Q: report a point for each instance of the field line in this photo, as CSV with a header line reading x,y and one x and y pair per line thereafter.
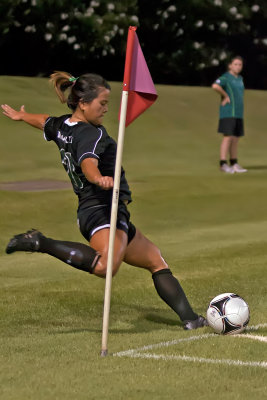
x,y
140,352
238,363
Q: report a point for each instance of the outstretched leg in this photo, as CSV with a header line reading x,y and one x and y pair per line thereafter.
x,y
78,255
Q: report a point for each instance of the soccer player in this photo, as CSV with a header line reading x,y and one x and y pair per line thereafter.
x,y
230,87
88,155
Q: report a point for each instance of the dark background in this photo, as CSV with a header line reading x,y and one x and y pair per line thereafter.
x,y
185,42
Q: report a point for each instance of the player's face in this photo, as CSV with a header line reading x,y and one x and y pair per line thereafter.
x,y
95,110
236,67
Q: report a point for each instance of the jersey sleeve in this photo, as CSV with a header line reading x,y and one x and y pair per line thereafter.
x,y
90,143
221,81
50,129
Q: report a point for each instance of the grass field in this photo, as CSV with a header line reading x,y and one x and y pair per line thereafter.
x,y
210,227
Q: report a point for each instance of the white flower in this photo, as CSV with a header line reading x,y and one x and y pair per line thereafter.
x,y
121,32
165,14
99,21
107,38
104,52
76,46
63,36
233,10
94,3
17,24
156,27
256,41
110,6
239,16
71,39
49,25
197,45
66,28
171,8
134,18
199,23
223,55
264,41
33,3
112,50
224,25
180,32
217,2
255,8
201,66
63,16
48,36
211,27
89,12
30,28
215,62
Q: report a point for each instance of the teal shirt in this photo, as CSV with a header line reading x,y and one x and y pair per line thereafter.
x,y
234,87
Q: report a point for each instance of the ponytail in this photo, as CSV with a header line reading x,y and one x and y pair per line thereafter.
x,y
84,88
61,81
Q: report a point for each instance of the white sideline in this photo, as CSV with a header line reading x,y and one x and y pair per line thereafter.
x,y
139,352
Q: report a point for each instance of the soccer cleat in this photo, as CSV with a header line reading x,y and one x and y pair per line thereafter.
x,y
226,168
29,241
237,168
200,322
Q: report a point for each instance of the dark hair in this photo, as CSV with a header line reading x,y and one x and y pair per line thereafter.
x,y
236,58
85,88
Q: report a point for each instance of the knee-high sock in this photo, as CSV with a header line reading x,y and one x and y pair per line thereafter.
x,y
78,255
171,292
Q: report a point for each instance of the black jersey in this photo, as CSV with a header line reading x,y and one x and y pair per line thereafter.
x,y
80,140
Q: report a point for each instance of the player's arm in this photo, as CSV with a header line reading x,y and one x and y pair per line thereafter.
x,y
90,169
222,92
36,120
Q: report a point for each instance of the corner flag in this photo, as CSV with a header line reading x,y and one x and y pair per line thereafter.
x,y
138,94
137,79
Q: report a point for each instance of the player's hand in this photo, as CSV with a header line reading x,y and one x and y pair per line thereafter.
x,y
13,114
226,100
105,182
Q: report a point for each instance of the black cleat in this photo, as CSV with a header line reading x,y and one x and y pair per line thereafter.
x,y
200,322
29,241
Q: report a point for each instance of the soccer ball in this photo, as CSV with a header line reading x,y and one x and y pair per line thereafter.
x,y
228,314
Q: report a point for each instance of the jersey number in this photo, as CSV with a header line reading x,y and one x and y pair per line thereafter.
x,y
69,166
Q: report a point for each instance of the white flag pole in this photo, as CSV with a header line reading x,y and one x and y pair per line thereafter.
x,y
113,222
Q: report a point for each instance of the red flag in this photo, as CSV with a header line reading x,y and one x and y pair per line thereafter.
x,y
137,79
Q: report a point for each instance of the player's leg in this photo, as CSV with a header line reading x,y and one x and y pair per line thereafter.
x,y
100,242
142,253
78,255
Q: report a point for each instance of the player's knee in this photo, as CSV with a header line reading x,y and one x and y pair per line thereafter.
x,y
101,267
156,261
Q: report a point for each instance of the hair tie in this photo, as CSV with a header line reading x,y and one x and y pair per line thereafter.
x,y
72,79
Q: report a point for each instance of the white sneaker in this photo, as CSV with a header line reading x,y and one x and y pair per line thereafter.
x,y
226,168
237,168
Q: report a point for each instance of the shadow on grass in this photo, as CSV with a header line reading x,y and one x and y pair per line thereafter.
x,y
256,167
147,323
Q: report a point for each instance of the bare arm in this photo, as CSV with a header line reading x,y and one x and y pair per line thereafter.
x,y
90,169
36,120
224,95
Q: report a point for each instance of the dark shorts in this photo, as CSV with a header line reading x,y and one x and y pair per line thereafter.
x,y
231,126
93,219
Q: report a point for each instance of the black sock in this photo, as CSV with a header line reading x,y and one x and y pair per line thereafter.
x,y
78,255
233,161
222,162
171,292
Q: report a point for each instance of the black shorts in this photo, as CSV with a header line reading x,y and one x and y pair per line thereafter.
x,y
231,127
93,219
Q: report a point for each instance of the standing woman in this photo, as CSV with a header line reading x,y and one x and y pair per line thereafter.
x,y
230,87
88,155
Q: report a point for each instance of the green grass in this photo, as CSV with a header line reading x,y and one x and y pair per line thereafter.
x,y
210,227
